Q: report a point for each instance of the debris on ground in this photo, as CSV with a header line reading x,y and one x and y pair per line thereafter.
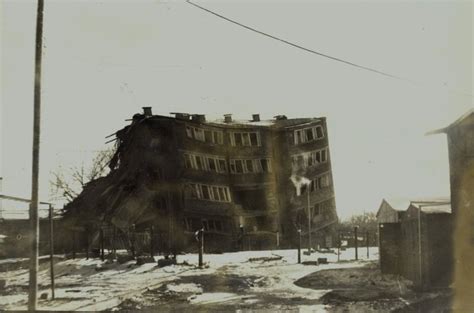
x,y
266,259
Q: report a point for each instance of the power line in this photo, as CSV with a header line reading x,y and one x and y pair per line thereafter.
x,y
296,45
319,53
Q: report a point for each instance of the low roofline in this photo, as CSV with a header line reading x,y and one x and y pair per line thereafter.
x,y
456,122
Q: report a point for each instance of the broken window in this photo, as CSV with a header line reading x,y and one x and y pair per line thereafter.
x,y
217,137
303,189
208,136
205,192
188,161
192,191
254,139
319,132
238,139
189,132
212,164
239,168
222,194
199,134
265,164
312,186
199,162
310,159
222,166
215,193
246,139
308,134
249,165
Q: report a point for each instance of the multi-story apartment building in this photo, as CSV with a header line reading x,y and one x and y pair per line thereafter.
x,y
247,183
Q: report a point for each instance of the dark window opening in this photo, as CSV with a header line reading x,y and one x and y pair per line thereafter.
x,y
249,165
239,166
208,136
212,165
253,139
199,163
319,132
238,139
222,166
205,192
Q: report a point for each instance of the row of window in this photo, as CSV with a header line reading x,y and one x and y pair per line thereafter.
x,y
323,209
250,139
212,163
318,183
242,139
310,159
205,163
308,134
208,192
204,135
194,224
250,166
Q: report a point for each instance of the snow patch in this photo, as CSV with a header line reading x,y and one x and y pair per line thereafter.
x,y
184,288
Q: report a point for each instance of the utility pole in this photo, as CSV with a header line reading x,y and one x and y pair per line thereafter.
x,y
34,218
309,221
356,243
299,245
367,242
338,246
51,248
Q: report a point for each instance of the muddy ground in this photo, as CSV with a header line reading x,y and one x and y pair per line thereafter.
x,y
361,289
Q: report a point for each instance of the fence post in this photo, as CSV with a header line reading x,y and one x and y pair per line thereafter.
x,y
51,247
201,246
114,248
367,242
338,246
152,241
102,243
299,245
356,243
73,244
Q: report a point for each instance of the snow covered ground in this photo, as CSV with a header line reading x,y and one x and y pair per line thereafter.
x,y
95,285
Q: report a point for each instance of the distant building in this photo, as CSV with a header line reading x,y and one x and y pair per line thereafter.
x,y
247,183
460,136
419,245
15,228
391,210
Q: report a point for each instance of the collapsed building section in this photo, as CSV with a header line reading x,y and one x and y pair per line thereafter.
x,y
248,184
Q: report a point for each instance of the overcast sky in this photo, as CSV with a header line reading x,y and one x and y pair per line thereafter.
x,y
104,60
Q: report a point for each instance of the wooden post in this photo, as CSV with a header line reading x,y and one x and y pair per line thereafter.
x,y
338,246
34,217
367,242
356,243
87,245
101,238
242,248
309,221
132,239
73,244
152,241
51,248
299,245
114,248
201,246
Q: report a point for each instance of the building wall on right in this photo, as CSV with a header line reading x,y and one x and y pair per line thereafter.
x,y
461,163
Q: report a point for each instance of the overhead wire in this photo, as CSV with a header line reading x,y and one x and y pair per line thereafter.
x,y
287,42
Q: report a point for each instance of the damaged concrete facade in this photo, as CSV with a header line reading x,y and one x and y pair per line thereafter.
x,y
247,183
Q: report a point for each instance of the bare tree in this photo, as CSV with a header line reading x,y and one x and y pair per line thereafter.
x,y
67,184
